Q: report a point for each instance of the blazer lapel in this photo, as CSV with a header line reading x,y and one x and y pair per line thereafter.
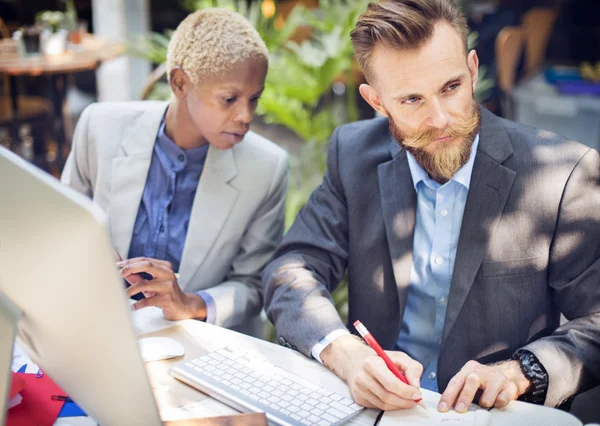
x,y
129,173
490,187
398,200
212,204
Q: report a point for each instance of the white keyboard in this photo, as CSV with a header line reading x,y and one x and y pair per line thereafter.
x,y
249,383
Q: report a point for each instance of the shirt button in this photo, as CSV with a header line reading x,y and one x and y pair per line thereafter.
x,y
439,260
444,212
181,158
443,300
431,375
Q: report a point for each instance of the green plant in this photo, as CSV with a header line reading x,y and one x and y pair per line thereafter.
x,y
52,19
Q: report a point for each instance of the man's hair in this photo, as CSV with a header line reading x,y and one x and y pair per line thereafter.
x,y
211,42
403,24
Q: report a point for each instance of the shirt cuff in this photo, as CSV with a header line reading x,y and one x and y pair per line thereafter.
x,y
326,341
211,309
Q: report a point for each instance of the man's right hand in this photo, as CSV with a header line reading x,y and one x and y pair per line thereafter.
x,y
371,382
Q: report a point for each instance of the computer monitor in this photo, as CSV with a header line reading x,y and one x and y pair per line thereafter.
x,y
57,268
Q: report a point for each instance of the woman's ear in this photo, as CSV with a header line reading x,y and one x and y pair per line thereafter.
x,y
180,82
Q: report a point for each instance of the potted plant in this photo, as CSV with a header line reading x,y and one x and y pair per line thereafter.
x,y
53,37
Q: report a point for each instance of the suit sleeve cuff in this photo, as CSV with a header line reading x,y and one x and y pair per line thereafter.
x,y
211,309
326,341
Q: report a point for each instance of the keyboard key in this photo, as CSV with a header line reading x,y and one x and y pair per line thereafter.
x,y
336,413
313,419
344,409
325,392
305,422
295,417
346,401
286,397
323,423
330,417
322,406
306,391
293,392
283,404
303,413
293,408
336,397
313,402
356,407
317,412
245,392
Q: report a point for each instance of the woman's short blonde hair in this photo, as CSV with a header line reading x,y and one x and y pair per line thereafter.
x,y
211,42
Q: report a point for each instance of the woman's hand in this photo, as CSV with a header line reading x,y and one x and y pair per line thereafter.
x,y
162,290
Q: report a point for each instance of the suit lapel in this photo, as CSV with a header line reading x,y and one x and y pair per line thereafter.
x,y
398,199
212,204
490,187
129,173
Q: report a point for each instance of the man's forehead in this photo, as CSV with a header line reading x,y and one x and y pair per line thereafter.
x,y
437,60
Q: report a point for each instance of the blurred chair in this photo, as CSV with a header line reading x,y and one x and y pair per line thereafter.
x,y
158,74
33,110
509,45
537,25
531,37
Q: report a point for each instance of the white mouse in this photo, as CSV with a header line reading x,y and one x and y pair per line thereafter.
x,y
157,348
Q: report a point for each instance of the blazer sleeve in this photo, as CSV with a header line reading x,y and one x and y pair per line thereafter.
x,y
240,296
309,265
571,355
76,172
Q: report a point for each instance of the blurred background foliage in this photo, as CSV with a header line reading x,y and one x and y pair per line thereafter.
x,y
311,87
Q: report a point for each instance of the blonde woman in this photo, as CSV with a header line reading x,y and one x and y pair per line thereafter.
x,y
195,200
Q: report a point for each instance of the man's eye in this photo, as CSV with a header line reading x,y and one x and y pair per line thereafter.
x,y
411,100
453,86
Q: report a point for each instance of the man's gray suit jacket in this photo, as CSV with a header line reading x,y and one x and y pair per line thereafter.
x,y
528,250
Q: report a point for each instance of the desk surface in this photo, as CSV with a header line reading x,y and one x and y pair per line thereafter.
x,y
94,51
177,401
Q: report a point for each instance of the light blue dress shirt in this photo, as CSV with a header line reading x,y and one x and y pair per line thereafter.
x,y
439,217
163,217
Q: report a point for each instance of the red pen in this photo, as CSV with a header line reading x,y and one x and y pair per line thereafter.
x,y
362,330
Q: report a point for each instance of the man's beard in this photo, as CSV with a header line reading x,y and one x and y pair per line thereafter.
x,y
442,164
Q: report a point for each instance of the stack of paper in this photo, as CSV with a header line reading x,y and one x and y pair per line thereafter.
x,y
419,416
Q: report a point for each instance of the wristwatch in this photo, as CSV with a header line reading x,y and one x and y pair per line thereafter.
x,y
537,375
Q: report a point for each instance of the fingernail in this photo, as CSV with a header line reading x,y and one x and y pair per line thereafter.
x,y
460,407
417,395
121,263
133,307
443,407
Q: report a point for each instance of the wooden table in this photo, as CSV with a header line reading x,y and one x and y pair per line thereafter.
x,y
93,51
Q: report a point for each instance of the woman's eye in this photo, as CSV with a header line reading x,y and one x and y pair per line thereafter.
x,y
229,100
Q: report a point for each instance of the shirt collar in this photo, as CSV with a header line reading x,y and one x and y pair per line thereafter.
x,y
175,158
463,176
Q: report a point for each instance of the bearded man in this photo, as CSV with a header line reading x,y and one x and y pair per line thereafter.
x,y
464,236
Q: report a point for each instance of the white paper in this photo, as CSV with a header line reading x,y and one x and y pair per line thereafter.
x,y
14,401
522,414
20,358
419,416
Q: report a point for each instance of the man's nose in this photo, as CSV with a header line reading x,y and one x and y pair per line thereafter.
x,y
438,117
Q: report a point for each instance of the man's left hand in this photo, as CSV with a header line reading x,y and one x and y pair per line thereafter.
x,y
500,383
162,290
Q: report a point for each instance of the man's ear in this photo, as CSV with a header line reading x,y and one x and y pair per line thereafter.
x,y
473,63
180,82
370,95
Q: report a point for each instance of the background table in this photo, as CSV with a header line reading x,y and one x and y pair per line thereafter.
x,y
92,52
